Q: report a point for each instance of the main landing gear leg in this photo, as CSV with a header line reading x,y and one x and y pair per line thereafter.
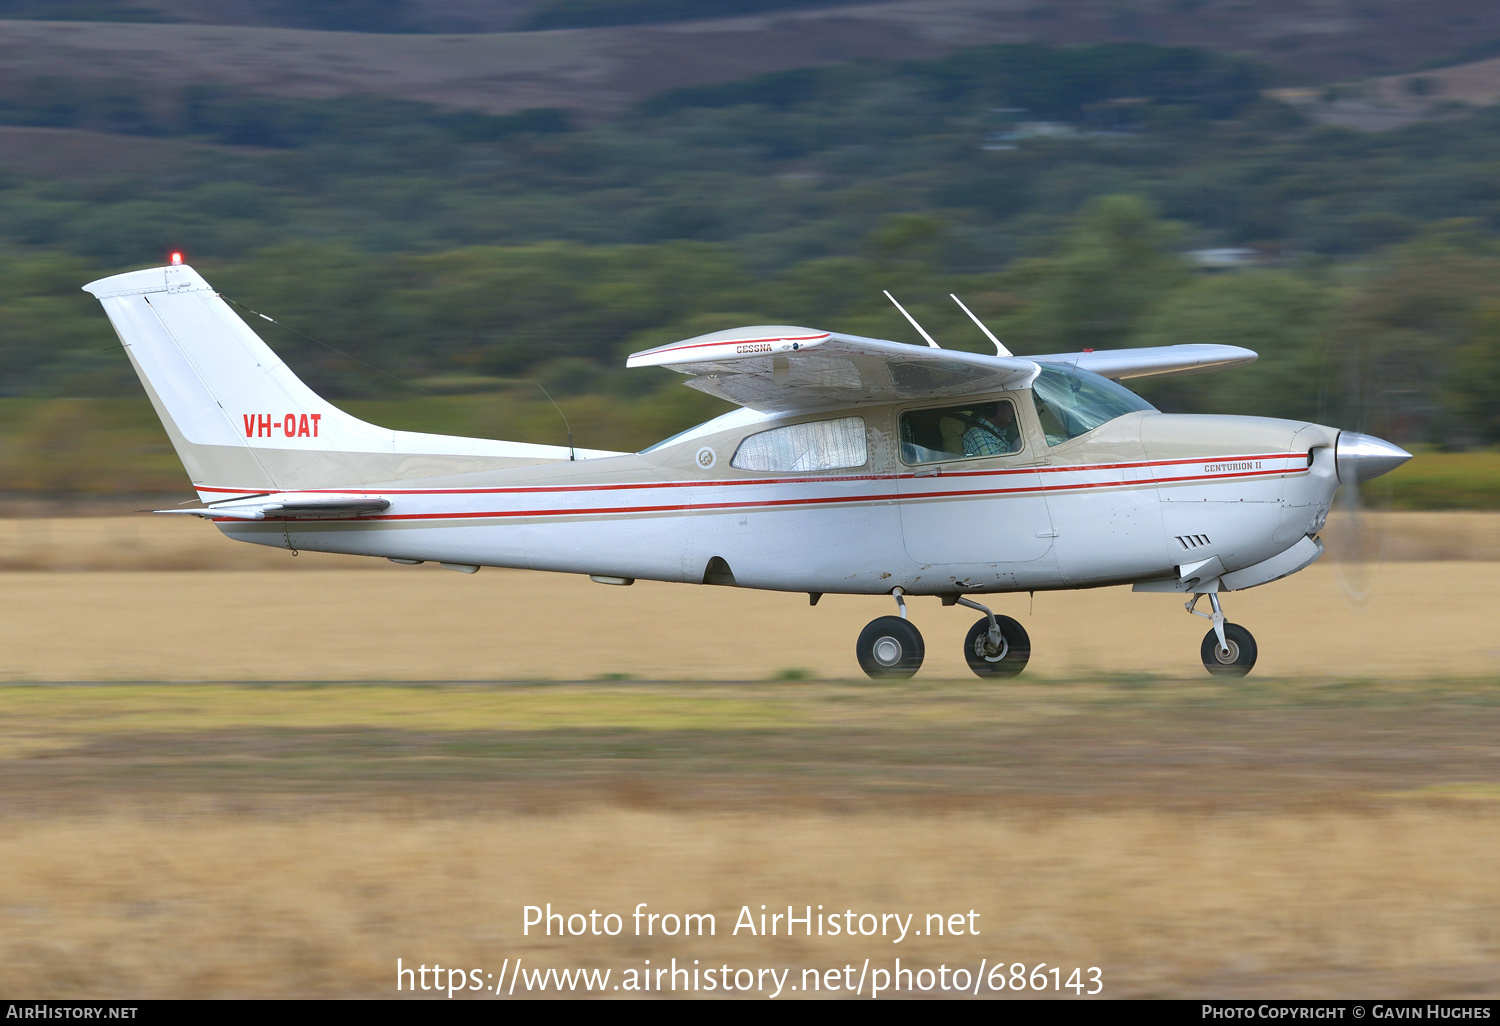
x,y
1228,650
890,648
996,646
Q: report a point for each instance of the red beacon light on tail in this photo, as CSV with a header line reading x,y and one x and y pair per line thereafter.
x,y
176,259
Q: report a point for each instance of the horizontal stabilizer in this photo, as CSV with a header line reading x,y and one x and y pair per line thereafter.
x,y
290,506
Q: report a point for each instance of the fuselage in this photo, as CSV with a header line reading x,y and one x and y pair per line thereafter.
x,y
1132,499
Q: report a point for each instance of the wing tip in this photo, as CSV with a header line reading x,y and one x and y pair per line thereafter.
x,y
729,343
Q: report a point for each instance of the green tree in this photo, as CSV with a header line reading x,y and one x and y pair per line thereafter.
x,y
1476,378
1114,266
1279,315
1396,342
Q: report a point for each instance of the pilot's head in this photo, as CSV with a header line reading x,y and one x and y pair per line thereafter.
x,y
997,413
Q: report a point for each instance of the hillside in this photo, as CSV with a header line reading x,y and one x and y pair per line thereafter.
x,y
1392,101
599,71
69,154
467,253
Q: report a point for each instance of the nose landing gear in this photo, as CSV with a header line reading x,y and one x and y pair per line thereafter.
x,y
1228,650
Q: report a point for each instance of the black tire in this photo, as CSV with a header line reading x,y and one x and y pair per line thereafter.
x,y
1009,660
889,648
1241,656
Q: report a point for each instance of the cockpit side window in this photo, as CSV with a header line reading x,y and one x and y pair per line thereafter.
x,y
819,445
1071,401
960,432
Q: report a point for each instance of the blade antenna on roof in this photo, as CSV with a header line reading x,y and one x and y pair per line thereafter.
x,y
999,349
913,320
571,454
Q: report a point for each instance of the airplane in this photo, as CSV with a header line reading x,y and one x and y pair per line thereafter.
x,y
852,466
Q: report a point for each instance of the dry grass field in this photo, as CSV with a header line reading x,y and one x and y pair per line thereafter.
x,y
1300,839
1327,827
1166,905
1423,619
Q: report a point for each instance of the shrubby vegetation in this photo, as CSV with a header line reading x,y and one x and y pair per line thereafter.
x,y
1408,344
788,166
464,253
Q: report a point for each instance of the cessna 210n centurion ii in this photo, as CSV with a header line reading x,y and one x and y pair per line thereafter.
x,y
853,466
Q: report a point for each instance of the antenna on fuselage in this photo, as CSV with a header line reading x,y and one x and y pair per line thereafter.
x,y
571,454
999,349
913,320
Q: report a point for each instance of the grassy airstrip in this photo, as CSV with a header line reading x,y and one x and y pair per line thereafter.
x,y
1131,739
1298,837
1325,827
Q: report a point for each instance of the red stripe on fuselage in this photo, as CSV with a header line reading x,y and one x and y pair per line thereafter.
x,y
723,482
808,500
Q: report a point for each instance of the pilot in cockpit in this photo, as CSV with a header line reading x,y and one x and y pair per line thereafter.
x,y
993,431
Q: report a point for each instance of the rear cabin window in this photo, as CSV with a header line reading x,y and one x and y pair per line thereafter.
x,y
960,432
820,445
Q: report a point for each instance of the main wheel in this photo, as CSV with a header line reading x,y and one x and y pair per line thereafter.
x,y
1005,659
889,648
1238,660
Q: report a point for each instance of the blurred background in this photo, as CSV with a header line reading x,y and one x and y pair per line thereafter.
x,y
473,197
461,199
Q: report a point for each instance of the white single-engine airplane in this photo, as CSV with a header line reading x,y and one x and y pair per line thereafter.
x,y
854,466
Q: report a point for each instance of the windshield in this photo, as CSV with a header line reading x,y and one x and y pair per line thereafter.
x,y
1070,401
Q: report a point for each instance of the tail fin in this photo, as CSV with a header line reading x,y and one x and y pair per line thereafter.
x,y
243,423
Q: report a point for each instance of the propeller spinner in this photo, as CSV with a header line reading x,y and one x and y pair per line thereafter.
x,y
1361,457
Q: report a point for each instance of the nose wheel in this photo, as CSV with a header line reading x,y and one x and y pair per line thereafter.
x,y
1228,650
1235,657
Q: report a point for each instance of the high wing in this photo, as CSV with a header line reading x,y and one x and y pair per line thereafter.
x,y
777,367
289,506
1145,363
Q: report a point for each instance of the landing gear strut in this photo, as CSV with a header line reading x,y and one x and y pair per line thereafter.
x,y
890,648
996,646
1228,650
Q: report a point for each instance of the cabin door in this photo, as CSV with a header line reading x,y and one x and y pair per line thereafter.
x,y
970,491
